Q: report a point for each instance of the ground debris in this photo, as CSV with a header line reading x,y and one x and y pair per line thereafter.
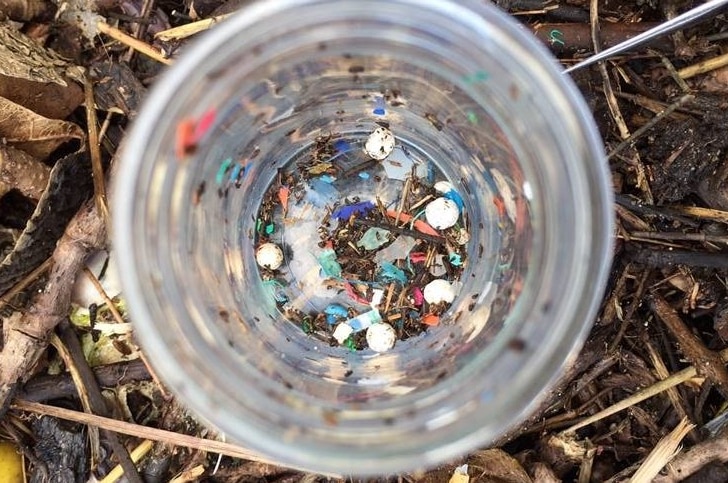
x,y
665,311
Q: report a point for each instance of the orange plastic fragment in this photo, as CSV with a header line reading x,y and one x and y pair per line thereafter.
x,y
500,206
185,141
419,225
283,198
431,319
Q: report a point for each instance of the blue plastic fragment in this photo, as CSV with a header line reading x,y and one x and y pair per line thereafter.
x,y
455,260
235,172
379,106
363,321
364,175
430,172
334,312
327,178
329,266
321,193
342,146
345,212
389,273
456,198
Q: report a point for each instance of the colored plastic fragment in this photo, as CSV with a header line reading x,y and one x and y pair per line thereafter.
x,y
373,238
389,273
204,124
447,190
353,295
417,257
363,321
222,170
276,290
430,319
379,106
342,146
283,194
334,312
321,193
418,225
417,296
329,266
357,209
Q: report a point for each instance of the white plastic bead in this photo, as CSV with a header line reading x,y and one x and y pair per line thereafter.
x,y
442,213
379,144
342,332
269,255
381,337
438,291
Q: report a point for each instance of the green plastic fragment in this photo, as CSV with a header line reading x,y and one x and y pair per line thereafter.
x,y
329,266
373,238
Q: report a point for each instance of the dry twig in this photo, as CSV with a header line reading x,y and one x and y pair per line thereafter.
x,y
662,453
646,393
27,337
139,431
707,362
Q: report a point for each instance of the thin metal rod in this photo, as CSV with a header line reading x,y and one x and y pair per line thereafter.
x,y
681,21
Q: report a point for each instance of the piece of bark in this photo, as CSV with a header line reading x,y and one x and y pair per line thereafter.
x,y
62,447
28,337
20,171
70,184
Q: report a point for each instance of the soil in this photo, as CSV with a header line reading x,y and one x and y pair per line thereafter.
x,y
664,314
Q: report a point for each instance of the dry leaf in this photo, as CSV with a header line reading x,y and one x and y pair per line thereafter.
x,y
22,172
36,77
34,134
716,81
496,465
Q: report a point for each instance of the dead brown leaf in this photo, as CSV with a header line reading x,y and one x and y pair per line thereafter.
x,y
36,77
32,133
20,171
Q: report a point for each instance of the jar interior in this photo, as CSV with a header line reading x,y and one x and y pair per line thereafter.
x,y
271,124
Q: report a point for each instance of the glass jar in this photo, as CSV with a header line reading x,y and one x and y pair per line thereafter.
x,y
287,92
